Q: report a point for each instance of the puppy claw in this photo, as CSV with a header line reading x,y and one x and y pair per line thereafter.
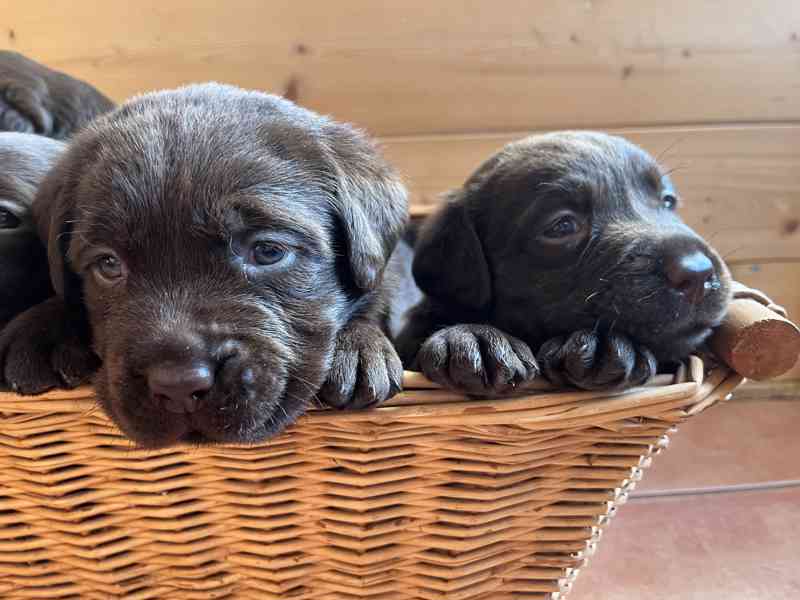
x,y
476,359
593,362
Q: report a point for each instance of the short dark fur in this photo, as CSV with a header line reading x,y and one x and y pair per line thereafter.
x,y
595,304
35,99
179,185
24,161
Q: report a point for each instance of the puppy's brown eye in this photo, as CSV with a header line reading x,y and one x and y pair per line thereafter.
x,y
109,267
8,220
669,201
563,227
267,253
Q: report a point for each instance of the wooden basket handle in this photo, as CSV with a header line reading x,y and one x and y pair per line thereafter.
x,y
756,339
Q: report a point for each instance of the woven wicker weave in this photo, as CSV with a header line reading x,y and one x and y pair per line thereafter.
x,y
433,497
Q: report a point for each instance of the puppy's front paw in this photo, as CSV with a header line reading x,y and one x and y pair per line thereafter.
x,y
39,350
591,361
477,359
365,370
21,109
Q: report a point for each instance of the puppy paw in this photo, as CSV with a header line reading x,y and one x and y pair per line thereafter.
x,y
22,110
477,359
591,361
365,370
40,350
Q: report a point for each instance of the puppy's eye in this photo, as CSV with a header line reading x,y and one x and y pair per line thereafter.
x,y
564,226
8,220
108,267
669,201
267,253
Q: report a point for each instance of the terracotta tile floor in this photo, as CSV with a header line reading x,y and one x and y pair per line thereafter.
x,y
740,442
733,545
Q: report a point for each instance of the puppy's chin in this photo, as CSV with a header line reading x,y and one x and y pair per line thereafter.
x,y
674,328
678,345
224,416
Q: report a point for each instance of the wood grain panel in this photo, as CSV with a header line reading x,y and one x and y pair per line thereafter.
x,y
422,67
740,185
778,279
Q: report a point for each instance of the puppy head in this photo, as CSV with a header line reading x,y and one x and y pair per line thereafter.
x,y
24,161
219,239
569,231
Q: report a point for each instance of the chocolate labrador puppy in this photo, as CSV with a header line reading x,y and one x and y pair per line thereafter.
x,y
568,244
35,99
227,249
24,281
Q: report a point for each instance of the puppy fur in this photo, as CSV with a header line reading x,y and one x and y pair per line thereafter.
x,y
567,244
24,161
223,228
35,99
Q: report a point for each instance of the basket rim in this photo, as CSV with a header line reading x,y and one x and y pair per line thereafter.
x,y
689,390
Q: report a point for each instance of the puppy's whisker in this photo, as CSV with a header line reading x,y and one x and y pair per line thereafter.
x,y
592,295
650,295
669,147
676,168
727,255
309,385
589,246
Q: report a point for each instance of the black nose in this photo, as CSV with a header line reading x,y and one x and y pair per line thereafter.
x,y
180,385
690,273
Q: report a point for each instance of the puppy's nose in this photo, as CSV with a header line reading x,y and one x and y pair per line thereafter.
x,y
690,274
180,386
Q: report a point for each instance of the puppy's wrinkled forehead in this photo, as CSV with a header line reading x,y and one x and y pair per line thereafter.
x,y
177,178
577,163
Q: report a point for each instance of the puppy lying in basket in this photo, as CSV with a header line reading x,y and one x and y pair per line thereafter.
x,y
224,252
567,245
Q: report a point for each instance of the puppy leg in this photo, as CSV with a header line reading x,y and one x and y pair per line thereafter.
x,y
22,109
365,370
476,359
41,349
592,361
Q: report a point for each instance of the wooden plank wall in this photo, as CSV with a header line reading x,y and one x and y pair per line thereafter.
x,y
447,83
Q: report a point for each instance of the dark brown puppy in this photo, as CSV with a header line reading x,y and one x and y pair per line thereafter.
x,y
228,248
567,243
24,161
35,99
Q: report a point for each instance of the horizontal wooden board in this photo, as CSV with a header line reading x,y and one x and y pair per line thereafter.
x,y
740,186
778,279
421,67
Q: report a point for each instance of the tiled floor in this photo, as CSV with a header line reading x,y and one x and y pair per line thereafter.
x,y
733,545
736,443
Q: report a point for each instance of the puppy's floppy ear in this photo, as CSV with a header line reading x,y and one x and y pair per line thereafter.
x,y
370,202
53,214
449,263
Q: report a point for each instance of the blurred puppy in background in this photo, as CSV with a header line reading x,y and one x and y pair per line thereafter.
x,y
35,99
566,245
35,103
24,161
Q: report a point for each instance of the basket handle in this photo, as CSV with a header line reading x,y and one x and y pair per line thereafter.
x,y
756,339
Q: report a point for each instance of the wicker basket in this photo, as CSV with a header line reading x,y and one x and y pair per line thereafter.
x,y
432,497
